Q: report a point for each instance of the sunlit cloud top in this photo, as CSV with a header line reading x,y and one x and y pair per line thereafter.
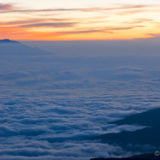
x,y
79,20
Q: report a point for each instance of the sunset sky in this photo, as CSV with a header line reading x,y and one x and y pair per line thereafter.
x,y
79,20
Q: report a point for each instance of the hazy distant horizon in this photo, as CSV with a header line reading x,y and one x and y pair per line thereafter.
x,y
137,47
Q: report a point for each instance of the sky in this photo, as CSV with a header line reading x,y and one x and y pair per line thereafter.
x,y
49,20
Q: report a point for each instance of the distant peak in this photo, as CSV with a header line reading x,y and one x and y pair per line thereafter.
x,y
8,41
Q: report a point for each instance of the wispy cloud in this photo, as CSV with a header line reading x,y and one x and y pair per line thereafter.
x,y
141,20
94,9
77,22
154,35
34,21
84,31
101,30
60,24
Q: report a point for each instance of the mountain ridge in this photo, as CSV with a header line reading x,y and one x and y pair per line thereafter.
x,y
8,41
15,48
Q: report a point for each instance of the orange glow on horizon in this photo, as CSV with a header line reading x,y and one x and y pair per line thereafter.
x,y
98,23
24,35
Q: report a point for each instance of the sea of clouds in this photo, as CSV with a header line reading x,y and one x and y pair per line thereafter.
x,y
51,105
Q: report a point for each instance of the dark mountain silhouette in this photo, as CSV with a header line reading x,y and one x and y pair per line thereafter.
x,y
15,48
8,41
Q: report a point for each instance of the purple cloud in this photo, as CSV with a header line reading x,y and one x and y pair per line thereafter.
x,y
5,7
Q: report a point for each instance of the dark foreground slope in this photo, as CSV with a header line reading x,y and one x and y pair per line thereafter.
x,y
137,157
147,139
147,136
